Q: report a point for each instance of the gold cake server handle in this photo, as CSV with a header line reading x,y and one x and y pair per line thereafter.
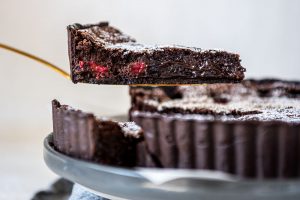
x,y
37,59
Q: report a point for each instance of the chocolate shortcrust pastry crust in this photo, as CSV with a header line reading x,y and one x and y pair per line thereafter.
x,y
84,136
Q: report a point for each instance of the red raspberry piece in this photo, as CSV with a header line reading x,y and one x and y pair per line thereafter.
x,y
92,64
100,71
81,64
137,67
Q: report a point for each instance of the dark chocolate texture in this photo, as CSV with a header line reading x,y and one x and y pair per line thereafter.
x,y
262,143
84,136
263,100
101,54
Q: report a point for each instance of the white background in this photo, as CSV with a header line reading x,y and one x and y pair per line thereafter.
x,y
264,32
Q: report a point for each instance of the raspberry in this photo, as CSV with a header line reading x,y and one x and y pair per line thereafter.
x,y
137,67
92,64
81,64
100,71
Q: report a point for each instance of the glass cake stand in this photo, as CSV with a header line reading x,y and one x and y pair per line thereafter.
x,y
175,184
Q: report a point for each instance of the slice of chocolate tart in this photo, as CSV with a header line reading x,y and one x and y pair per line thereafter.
x,y
102,54
82,135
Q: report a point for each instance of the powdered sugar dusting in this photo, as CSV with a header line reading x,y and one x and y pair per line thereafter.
x,y
113,39
135,47
131,129
238,99
106,35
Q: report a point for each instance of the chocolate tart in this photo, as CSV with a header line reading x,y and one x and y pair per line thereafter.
x,y
82,135
250,129
102,54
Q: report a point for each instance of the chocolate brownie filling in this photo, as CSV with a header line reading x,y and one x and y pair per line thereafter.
x,y
250,100
102,54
